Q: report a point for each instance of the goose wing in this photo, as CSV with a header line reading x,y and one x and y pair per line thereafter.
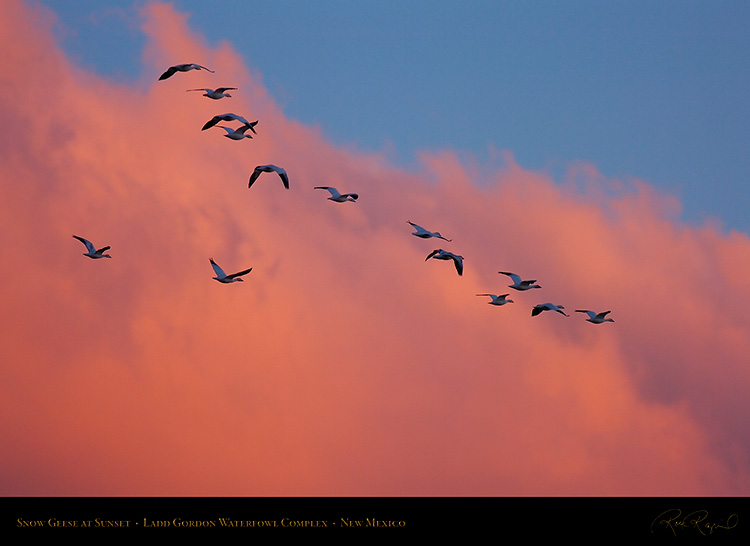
x,y
282,173
333,191
420,229
218,270
223,117
234,275
459,263
89,246
168,73
241,130
515,278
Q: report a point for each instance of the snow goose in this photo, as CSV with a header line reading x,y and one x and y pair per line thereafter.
x,y
441,254
423,233
216,94
237,134
338,197
172,70
547,307
267,169
519,284
93,252
594,317
223,277
229,117
497,300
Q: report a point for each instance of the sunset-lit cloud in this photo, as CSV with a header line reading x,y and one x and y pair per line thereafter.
x,y
345,364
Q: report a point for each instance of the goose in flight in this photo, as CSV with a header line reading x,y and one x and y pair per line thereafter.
x,y
229,117
519,284
237,134
497,300
338,197
223,277
172,70
422,233
93,252
441,254
594,317
216,94
267,169
547,307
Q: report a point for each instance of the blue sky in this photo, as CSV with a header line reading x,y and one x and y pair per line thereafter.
x,y
655,90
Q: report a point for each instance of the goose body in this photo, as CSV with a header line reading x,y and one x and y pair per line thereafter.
x,y
268,169
518,283
172,70
441,254
423,233
497,300
594,317
91,251
338,197
237,134
223,277
547,307
216,94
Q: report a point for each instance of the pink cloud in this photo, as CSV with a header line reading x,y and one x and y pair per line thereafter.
x,y
344,364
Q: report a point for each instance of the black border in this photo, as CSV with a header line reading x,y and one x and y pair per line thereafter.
x,y
336,517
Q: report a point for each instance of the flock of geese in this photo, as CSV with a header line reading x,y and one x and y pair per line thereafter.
x,y
241,132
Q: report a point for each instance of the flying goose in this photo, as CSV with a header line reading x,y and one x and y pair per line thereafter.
x,y
519,284
172,70
223,277
497,300
441,254
93,252
547,307
237,134
229,117
216,94
594,317
267,169
422,233
338,197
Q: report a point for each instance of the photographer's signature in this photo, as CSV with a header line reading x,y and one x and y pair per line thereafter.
x,y
697,520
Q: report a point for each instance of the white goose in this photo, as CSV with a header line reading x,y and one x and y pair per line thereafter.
x,y
423,233
237,134
519,284
441,254
594,317
172,70
92,251
223,277
229,117
216,94
268,169
338,197
547,307
497,300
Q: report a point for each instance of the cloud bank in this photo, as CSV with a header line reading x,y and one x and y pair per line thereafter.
x,y
345,364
